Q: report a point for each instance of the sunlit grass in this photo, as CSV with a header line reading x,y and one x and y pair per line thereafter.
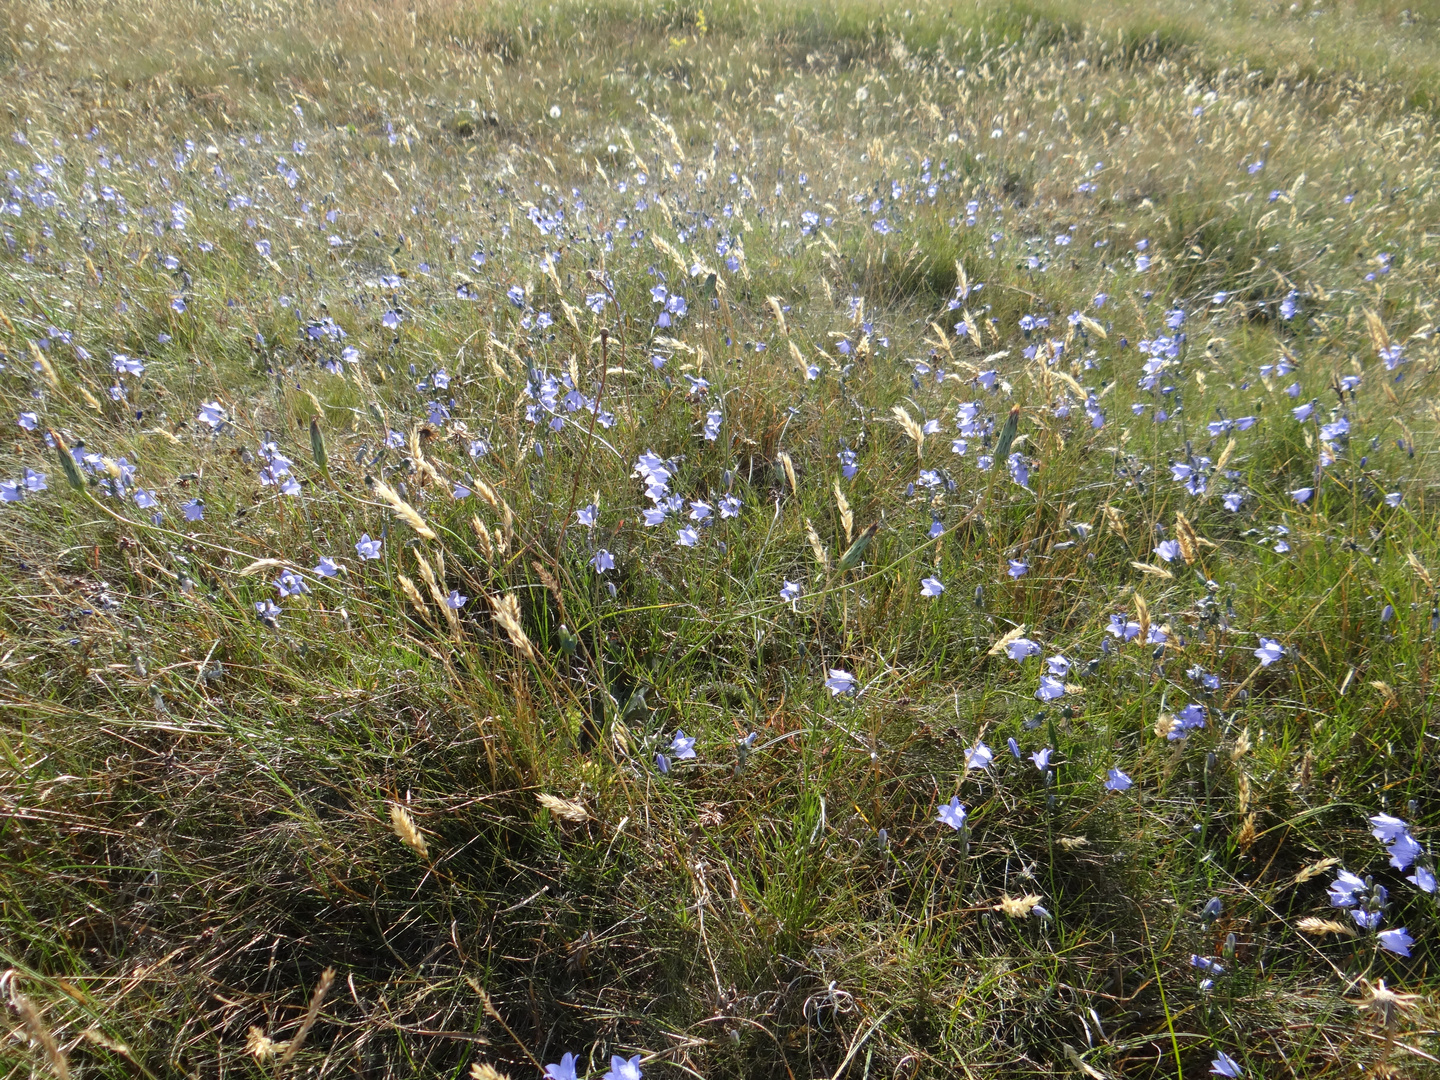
x,y
214,792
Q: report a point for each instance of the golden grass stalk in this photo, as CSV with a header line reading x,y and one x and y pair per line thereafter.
x,y
404,826
1185,534
437,593
413,594
35,1026
507,614
1142,616
821,555
910,427
1323,927
1315,869
260,1046
778,310
403,510
1115,521
1420,571
847,518
487,545
789,466
564,809
327,979
1004,643
1153,571
1017,907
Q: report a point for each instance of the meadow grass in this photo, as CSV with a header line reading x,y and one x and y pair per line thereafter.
x,y
283,280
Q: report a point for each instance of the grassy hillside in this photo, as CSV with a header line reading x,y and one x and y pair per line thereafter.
x,y
785,540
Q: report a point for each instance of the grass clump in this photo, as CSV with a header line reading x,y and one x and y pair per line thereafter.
x,y
725,540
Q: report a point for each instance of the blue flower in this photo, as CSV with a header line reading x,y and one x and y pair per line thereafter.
x,y
1396,940
979,756
290,583
789,591
1344,889
1041,758
194,510
1269,651
455,601
1225,1065
367,548
602,560
1022,649
840,682
931,586
1018,568
952,813
327,567
1366,920
683,746
1050,689
1168,549
586,515
620,1069
1115,780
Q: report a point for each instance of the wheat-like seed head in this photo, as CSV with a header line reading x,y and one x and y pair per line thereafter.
x,y
404,826
403,510
507,614
1017,907
564,809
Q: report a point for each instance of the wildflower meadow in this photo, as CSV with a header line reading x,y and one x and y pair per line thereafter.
x,y
741,539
